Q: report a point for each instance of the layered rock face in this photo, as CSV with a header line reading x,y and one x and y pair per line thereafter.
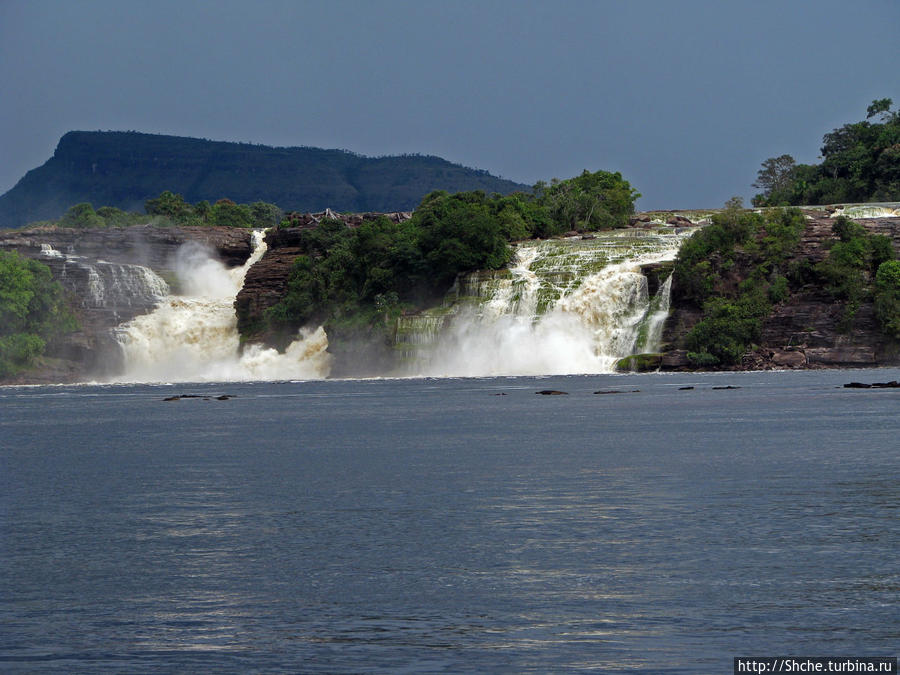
x,y
803,331
266,282
111,276
146,245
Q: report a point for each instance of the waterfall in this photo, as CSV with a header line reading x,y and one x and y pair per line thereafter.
x,y
649,337
886,210
193,336
563,307
107,285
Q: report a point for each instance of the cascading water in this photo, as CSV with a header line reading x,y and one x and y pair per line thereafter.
x,y
193,336
563,307
650,330
108,285
882,210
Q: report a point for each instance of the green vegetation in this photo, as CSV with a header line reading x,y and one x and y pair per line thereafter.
x,y
735,268
639,363
355,280
860,163
171,209
742,264
590,201
887,297
851,267
32,312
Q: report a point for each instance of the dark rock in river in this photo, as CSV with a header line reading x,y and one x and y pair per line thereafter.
x,y
893,384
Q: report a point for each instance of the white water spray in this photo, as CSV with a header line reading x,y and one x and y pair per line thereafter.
x,y
884,210
193,337
108,284
565,307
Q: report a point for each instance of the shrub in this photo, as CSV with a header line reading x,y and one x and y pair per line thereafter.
x,y
82,216
32,312
887,297
728,327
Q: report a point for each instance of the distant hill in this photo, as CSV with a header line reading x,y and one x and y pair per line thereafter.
x,y
125,168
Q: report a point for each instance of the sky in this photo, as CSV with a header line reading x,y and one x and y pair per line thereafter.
x,y
685,98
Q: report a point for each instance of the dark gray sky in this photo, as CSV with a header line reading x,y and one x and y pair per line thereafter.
x,y
684,97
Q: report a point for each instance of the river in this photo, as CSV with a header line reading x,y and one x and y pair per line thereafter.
x,y
449,525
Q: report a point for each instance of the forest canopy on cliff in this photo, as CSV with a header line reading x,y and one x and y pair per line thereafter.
x,y
743,264
363,275
860,163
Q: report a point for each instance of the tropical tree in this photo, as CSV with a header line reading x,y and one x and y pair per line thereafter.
x,y
774,179
170,205
590,201
81,215
265,215
860,163
887,297
226,213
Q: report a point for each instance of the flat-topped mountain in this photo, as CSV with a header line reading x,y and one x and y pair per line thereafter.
x,y
124,169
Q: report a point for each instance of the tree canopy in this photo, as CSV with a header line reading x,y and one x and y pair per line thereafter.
x,y
860,163
365,274
172,209
32,312
742,264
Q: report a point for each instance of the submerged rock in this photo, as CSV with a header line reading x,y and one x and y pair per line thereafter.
x,y
223,397
893,384
551,392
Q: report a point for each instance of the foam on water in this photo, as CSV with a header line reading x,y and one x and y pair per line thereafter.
x,y
563,307
193,337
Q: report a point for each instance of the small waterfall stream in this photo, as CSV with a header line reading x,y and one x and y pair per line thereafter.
x,y
109,285
193,337
886,210
562,307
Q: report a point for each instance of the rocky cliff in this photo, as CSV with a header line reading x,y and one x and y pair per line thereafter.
x,y
107,275
266,282
146,245
802,331
111,276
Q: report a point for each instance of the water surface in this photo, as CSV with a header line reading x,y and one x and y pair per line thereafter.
x,y
435,525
